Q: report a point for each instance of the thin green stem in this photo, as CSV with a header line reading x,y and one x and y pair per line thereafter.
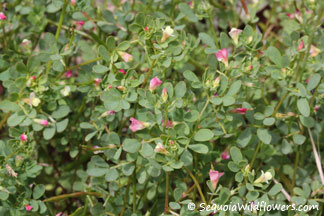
x,y
134,189
196,183
4,38
279,104
212,27
255,154
149,73
77,194
125,199
295,166
166,200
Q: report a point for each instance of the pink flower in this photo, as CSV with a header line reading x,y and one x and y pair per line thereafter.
x,y
59,214
73,2
121,88
11,171
126,56
164,95
316,108
108,113
314,51
290,15
97,81
169,124
241,111
214,177
68,74
32,78
146,28
28,207
122,71
154,83
225,155
216,94
137,125
80,23
23,137
221,55
262,80
159,148
301,45
2,16
44,122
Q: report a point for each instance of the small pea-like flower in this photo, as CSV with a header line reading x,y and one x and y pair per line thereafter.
x,y
68,74
265,177
2,16
241,111
216,82
301,45
122,71
42,122
97,81
159,148
164,95
167,32
316,108
154,83
80,23
30,81
65,91
298,16
214,177
126,56
225,155
146,28
108,113
121,88
28,207
221,55
169,124
137,125
11,171
290,15
32,100
235,33
23,137
314,51
191,4
73,2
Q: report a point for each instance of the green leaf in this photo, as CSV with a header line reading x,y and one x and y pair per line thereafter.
x,y
200,148
61,112
15,120
131,145
234,167
303,107
146,150
224,40
206,39
228,100
180,89
252,195
4,195
103,52
39,190
111,175
307,121
61,126
111,43
186,158
299,139
123,46
244,138
274,55
275,189
234,88
187,11
100,69
236,154
7,106
269,121
48,133
96,171
264,135
203,135
313,82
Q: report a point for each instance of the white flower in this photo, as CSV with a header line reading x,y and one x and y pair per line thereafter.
x,y
235,33
168,30
66,91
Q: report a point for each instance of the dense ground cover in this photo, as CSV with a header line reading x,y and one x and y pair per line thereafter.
x,y
149,107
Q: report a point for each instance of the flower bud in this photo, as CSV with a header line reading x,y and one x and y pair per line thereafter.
x,y
154,83
235,33
2,16
164,95
23,137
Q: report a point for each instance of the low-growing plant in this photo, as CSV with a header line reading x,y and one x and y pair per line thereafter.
x,y
146,107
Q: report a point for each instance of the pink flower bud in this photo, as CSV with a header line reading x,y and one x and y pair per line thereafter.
x,y
160,149
121,88
23,137
241,111
137,125
73,2
80,23
301,45
28,207
221,55
164,95
168,124
214,177
122,71
316,108
11,172
68,74
44,122
314,51
216,94
154,83
290,15
32,78
126,56
110,86
146,28
225,155
2,16
97,81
